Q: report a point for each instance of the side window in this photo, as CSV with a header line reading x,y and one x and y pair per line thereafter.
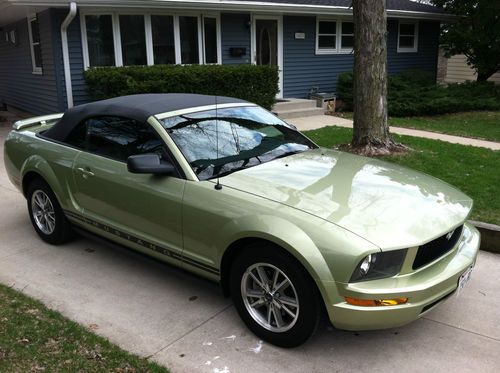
x,y
116,138
78,136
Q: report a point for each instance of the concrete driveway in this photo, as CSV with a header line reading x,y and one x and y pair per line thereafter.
x,y
184,322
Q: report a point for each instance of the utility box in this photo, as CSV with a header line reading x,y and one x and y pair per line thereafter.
x,y
326,100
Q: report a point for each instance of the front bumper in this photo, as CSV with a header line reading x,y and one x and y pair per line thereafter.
x,y
424,289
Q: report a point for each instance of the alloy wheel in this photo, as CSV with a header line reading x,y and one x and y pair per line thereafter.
x,y
270,297
43,212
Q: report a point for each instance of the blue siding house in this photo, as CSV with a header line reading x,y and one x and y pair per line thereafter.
x,y
44,49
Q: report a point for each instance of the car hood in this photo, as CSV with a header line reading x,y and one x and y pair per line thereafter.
x,y
386,204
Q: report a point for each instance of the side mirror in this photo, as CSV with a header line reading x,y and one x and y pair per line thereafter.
x,y
149,164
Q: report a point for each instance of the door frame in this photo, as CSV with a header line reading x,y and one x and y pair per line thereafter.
x,y
253,44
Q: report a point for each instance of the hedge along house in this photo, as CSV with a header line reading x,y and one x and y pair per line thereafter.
x,y
46,45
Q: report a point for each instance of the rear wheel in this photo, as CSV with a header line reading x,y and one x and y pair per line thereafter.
x,y
46,214
274,295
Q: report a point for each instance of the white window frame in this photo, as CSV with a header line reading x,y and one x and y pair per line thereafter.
x,y
338,36
177,35
339,41
324,50
118,36
149,34
218,37
38,70
85,46
413,49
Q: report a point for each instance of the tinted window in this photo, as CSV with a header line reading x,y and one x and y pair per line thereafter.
x,y
78,137
100,40
347,40
116,138
218,143
188,27
327,37
163,39
133,37
210,34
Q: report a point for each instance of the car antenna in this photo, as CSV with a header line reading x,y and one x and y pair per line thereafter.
x,y
218,186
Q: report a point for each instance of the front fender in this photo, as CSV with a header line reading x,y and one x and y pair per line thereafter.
x,y
281,232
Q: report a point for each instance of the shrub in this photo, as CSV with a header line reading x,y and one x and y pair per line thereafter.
x,y
344,89
416,93
258,84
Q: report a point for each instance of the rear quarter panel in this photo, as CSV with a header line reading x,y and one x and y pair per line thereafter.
x,y
25,152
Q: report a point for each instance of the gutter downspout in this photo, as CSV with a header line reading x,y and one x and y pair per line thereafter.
x,y
64,41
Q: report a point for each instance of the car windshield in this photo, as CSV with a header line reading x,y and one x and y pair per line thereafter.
x,y
217,143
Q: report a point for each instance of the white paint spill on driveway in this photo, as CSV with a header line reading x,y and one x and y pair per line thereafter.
x,y
258,348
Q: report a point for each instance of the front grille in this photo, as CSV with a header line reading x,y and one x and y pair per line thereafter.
x,y
436,248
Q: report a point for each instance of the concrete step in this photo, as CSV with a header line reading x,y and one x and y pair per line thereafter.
x,y
299,113
294,104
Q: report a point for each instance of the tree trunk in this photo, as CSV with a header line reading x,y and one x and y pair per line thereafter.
x,y
371,131
483,75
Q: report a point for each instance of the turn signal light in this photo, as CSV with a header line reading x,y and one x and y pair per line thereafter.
x,y
375,302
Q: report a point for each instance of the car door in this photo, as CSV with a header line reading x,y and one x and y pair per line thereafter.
x,y
143,209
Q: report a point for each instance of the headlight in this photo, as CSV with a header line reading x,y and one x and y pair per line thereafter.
x,y
379,265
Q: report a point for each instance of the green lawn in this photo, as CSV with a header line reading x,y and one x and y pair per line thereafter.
x,y
35,339
473,170
481,124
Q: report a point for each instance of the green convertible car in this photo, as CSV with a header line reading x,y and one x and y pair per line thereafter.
x,y
225,189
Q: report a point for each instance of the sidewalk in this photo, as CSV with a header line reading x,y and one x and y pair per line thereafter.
x,y
319,121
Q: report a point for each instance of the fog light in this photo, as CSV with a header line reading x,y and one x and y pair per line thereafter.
x,y
375,302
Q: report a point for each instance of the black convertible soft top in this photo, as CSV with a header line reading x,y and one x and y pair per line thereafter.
x,y
138,107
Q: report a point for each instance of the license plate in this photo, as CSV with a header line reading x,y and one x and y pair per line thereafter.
x,y
464,279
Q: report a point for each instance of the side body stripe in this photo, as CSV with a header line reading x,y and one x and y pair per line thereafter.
x,y
141,242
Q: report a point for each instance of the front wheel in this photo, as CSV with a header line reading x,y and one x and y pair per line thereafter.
x,y
46,214
274,295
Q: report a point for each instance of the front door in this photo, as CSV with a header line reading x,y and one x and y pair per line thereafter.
x,y
145,210
266,41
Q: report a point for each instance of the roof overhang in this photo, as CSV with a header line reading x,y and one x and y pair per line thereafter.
x,y
10,13
223,5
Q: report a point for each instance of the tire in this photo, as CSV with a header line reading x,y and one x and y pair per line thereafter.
x,y
46,214
292,323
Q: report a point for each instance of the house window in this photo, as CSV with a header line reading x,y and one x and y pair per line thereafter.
x,y
334,36
133,40
188,28
100,40
407,37
36,48
347,36
210,39
147,39
326,40
163,39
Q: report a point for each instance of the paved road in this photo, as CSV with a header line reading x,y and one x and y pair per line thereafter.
x,y
183,322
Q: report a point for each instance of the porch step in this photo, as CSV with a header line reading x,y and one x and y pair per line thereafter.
x,y
301,113
296,108
294,104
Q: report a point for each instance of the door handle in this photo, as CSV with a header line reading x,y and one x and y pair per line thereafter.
x,y
85,172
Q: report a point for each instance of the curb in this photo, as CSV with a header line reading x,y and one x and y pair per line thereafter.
x,y
490,236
